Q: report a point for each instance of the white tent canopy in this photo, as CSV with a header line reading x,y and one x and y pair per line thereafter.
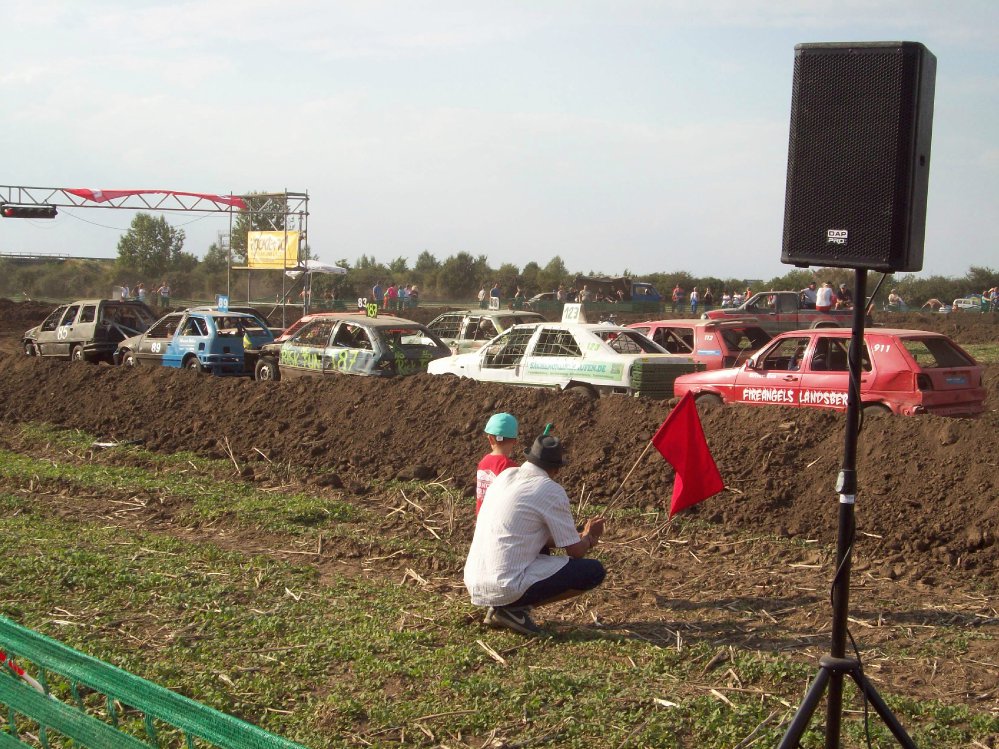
x,y
315,266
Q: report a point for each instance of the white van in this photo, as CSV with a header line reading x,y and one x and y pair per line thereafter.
x,y
967,304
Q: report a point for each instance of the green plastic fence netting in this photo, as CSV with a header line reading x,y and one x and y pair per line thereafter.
x,y
25,696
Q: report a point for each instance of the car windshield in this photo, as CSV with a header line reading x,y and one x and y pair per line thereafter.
x,y
629,342
936,353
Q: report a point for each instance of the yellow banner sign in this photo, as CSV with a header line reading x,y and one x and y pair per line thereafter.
x,y
272,249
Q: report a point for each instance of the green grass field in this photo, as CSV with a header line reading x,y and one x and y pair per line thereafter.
x,y
984,353
350,653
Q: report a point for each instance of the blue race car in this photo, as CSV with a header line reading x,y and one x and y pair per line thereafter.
x,y
207,340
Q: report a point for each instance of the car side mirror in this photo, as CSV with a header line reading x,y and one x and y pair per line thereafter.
x,y
751,363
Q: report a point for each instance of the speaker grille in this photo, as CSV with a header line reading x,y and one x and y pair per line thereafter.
x,y
852,155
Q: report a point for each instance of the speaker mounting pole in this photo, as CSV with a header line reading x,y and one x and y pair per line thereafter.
x,y
833,667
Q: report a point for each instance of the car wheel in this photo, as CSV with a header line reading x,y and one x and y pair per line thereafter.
x,y
30,349
130,359
194,364
267,371
77,354
876,409
582,390
709,400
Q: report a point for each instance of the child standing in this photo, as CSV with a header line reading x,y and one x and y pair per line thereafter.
x,y
501,430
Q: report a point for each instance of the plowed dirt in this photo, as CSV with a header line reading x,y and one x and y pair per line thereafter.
x,y
927,510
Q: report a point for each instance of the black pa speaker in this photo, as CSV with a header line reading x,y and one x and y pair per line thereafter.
x,y
859,155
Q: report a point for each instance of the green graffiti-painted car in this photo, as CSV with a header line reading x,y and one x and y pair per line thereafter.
x,y
334,343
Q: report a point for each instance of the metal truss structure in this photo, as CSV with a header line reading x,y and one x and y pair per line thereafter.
x,y
293,205
281,211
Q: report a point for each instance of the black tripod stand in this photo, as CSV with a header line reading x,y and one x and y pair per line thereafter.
x,y
833,667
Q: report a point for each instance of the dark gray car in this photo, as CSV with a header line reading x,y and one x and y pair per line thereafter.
x,y
87,330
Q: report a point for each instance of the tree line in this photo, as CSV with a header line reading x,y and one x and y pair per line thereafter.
x,y
152,250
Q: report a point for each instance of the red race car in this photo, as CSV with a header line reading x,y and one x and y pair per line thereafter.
x,y
713,343
903,371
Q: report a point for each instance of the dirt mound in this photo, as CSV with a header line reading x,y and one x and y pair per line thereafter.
x,y
927,484
19,316
963,327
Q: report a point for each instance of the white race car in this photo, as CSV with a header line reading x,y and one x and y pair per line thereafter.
x,y
592,359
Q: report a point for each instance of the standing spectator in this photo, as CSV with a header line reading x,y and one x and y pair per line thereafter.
x,y
824,298
501,431
695,298
518,299
994,298
482,297
726,298
708,300
585,295
378,294
808,295
747,295
164,292
677,297
140,292
560,296
494,293
404,296
391,297
124,291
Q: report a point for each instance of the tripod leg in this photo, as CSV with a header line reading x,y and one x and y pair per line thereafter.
x,y
799,723
883,710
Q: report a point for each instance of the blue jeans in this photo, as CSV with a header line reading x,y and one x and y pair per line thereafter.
x,y
578,574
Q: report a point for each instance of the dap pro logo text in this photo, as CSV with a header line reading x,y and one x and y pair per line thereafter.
x,y
836,236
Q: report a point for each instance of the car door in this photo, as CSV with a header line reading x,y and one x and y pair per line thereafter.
x,y
64,332
787,312
677,339
153,344
825,377
475,331
352,350
553,358
47,335
86,324
302,354
501,360
774,375
191,336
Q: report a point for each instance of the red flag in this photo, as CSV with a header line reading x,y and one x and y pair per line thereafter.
x,y
681,441
103,196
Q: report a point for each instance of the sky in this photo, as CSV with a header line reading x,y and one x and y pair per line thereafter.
x,y
623,136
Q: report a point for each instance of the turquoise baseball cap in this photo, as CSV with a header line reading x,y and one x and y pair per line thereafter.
x,y
502,426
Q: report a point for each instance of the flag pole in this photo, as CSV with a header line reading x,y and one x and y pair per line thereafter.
x,y
613,499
